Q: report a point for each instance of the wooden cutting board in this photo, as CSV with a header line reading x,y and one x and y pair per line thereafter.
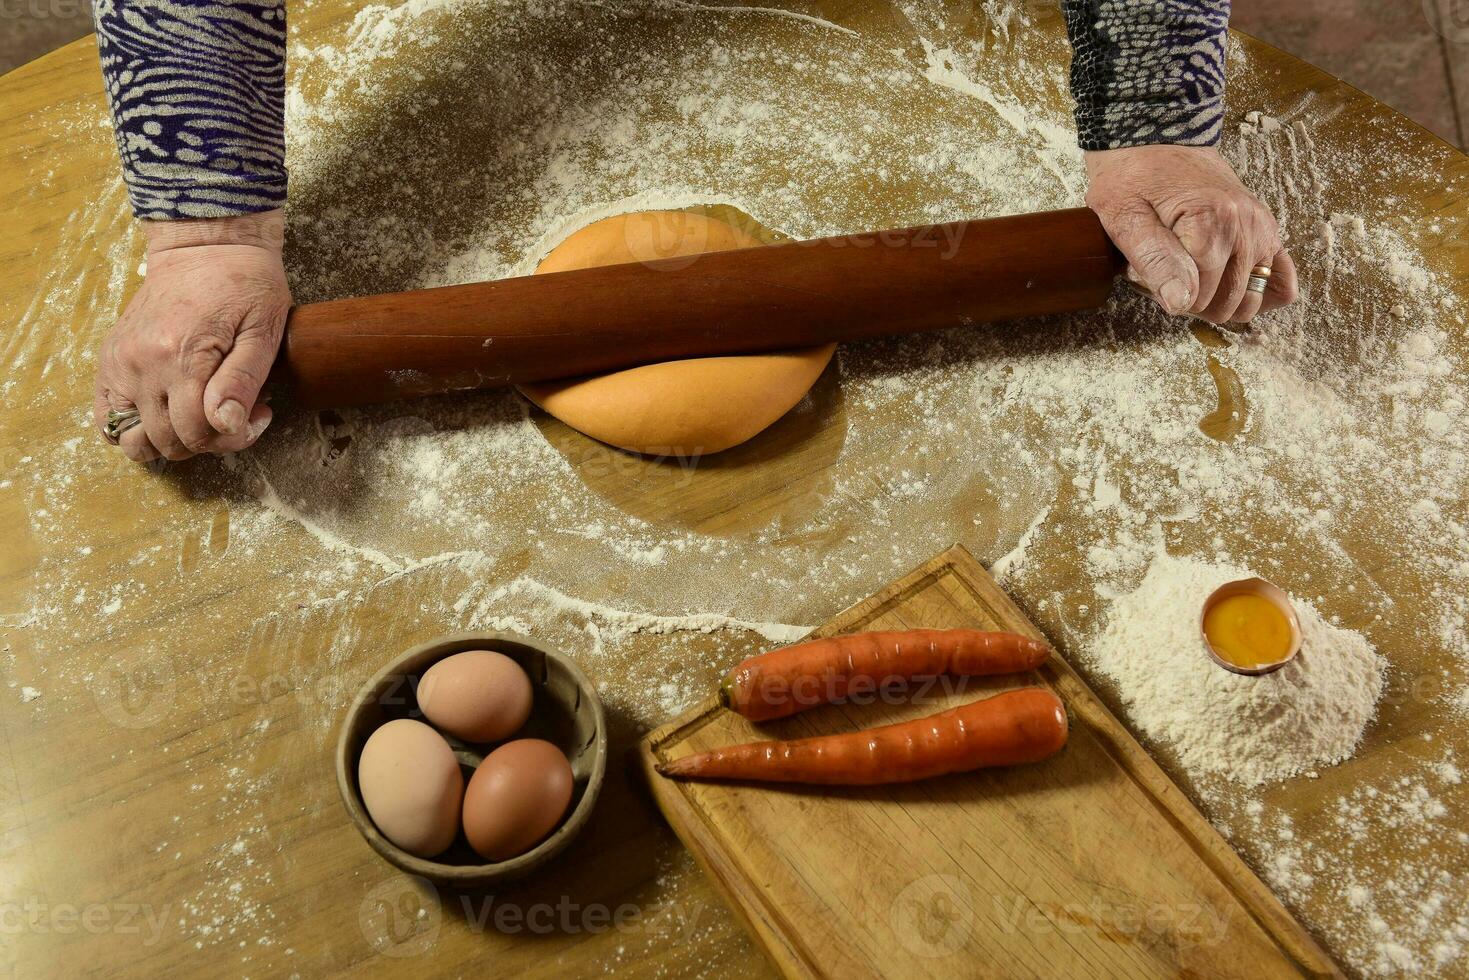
x,y
1091,863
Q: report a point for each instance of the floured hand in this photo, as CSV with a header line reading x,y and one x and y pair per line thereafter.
x,y
1190,230
195,344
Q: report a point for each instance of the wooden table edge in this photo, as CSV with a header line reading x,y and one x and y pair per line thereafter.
x,y
1338,82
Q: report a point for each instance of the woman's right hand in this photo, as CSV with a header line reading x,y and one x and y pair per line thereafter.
x,y
193,348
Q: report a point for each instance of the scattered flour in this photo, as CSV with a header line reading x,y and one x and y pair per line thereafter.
x,y
442,141
1383,860
1016,556
618,623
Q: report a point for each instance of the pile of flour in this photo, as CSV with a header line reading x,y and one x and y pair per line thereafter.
x,y
1311,712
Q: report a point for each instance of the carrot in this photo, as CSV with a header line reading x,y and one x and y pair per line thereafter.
x,y
1019,726
783,682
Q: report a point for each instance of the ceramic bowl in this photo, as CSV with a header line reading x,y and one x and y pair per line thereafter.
x,y
566,712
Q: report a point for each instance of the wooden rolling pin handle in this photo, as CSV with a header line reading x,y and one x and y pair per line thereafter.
x,y
774,297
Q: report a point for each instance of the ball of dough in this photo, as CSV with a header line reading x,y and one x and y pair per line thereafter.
x,y
678,408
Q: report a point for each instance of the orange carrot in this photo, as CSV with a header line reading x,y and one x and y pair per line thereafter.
x,y
783,682
1019,726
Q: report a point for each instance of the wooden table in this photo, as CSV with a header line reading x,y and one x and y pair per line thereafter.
x,y
176,656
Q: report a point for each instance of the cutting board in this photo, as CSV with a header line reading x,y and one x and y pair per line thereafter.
x,y
1090,864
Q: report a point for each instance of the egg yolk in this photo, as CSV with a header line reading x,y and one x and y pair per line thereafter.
x,y
1248,630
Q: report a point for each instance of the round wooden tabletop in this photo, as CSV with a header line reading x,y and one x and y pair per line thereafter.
x,y
179,642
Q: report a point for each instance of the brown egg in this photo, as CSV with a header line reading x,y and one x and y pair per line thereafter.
x,y
516,797
478,695
411,786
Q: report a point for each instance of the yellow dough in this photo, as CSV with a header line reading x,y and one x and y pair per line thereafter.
x,y
685,408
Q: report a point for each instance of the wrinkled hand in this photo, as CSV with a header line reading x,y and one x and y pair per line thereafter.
x,y
1190,230
193,348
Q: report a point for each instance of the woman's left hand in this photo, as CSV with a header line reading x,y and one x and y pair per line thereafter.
x,y
1190,230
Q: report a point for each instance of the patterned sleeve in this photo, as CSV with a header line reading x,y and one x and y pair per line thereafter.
x,y
1147,71
197,90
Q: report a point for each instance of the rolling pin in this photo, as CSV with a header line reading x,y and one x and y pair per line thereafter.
x,y
752,300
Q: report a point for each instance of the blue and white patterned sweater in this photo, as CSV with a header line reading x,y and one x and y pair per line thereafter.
x,y
197,89
1147,71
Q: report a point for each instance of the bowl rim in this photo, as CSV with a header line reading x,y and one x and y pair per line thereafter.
x,y
469,874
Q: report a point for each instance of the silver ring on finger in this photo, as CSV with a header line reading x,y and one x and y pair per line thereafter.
x,y
119,422
1259,279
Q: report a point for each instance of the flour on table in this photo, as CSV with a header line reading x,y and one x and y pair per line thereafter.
x,y
442,141
1015,557
1252,729
1403,909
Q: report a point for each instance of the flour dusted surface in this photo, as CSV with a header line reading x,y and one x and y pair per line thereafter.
x,y
1312,712
444,141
